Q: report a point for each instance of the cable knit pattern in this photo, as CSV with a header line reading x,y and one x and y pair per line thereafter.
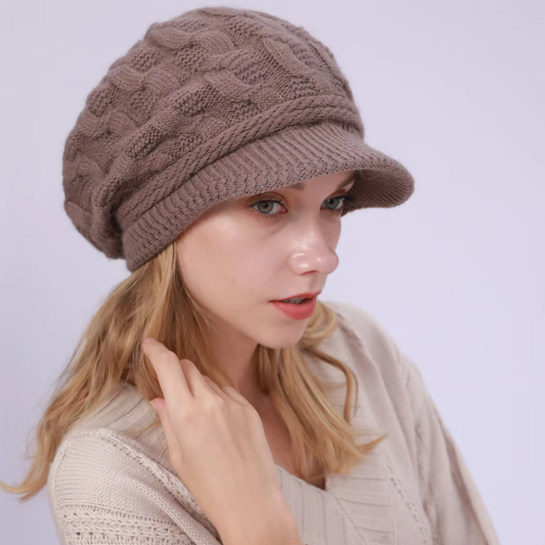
x,y
112,483
214,104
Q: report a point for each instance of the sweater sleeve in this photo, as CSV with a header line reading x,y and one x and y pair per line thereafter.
x,y
101,492
451,500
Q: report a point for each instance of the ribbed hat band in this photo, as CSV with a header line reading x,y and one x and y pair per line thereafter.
x,y
215,104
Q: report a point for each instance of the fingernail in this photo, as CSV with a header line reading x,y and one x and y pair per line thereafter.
x,y
146,341
152,403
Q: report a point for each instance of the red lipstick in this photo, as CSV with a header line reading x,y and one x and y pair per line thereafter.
x,y
298,311
307,295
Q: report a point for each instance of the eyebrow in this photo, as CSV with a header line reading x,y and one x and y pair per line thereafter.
x,y
299,186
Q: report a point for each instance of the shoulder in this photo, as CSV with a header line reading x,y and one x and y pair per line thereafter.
x,y
363,321
103,482
100,465
371,351
112,450
369,334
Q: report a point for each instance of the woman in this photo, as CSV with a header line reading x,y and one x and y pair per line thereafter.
x,y
204,158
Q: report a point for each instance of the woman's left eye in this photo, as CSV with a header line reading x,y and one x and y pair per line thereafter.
x,y
336,210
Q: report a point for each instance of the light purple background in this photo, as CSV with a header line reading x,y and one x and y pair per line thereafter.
x,y
452,90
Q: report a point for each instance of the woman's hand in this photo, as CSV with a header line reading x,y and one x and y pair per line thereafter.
x,y
217,445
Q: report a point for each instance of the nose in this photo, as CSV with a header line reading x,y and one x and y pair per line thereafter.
x,y
314,252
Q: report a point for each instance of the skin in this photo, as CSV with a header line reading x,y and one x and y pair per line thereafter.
x,y
236,258
218,449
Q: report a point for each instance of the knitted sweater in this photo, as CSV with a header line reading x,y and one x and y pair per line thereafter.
x,y
109,483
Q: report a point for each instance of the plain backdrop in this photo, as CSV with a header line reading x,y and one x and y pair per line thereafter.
x,y
453,90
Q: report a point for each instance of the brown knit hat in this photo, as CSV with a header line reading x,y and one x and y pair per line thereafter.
x,y
217,103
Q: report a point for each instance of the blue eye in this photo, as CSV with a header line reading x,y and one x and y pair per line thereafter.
x,y
336,211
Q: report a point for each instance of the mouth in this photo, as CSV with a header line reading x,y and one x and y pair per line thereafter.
x,y
297,310
301,298
295,301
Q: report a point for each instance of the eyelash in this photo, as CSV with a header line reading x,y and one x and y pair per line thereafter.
x,y
283,203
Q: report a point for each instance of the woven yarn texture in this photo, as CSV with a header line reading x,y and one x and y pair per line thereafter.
x,y
214,104
110,482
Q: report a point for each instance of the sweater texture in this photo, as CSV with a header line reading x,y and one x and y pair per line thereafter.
x,y
214,104
111,483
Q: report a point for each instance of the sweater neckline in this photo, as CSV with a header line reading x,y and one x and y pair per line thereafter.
x,y
368,483
332,511
290,475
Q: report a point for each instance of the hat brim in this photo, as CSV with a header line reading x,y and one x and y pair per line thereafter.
x,y
303,152
281,159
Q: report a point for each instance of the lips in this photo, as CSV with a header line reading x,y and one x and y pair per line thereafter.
x,y
301,311
307,295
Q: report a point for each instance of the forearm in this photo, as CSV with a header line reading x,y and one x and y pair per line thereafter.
x,y
280,529
263,536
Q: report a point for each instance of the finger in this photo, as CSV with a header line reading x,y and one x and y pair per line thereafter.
x,y
169,372
215,388
195,379
227,392
236,395
172,443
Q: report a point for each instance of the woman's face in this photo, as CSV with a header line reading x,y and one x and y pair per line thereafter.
x,y
242,254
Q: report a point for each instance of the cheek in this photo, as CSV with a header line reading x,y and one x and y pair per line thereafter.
x,y
225,265
246,268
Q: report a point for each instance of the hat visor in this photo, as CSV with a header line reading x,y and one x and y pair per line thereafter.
x,y
303,152
281,159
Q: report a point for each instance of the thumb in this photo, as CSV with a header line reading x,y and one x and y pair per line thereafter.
x,y
159,406
155,405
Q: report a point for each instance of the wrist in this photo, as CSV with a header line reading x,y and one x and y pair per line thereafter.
x,y
252,533
266,526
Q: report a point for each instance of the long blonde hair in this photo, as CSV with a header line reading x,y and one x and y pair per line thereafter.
x,y
153,302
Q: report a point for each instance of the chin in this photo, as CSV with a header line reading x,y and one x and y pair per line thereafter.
x,y
283,337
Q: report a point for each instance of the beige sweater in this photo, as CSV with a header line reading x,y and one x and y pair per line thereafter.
x,y
107,487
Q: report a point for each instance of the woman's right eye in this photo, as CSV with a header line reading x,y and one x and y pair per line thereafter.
x,y
269,204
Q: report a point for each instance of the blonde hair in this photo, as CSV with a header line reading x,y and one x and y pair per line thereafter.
x,y
153,302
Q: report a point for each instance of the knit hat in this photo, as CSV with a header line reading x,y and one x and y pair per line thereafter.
x,y
217,103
